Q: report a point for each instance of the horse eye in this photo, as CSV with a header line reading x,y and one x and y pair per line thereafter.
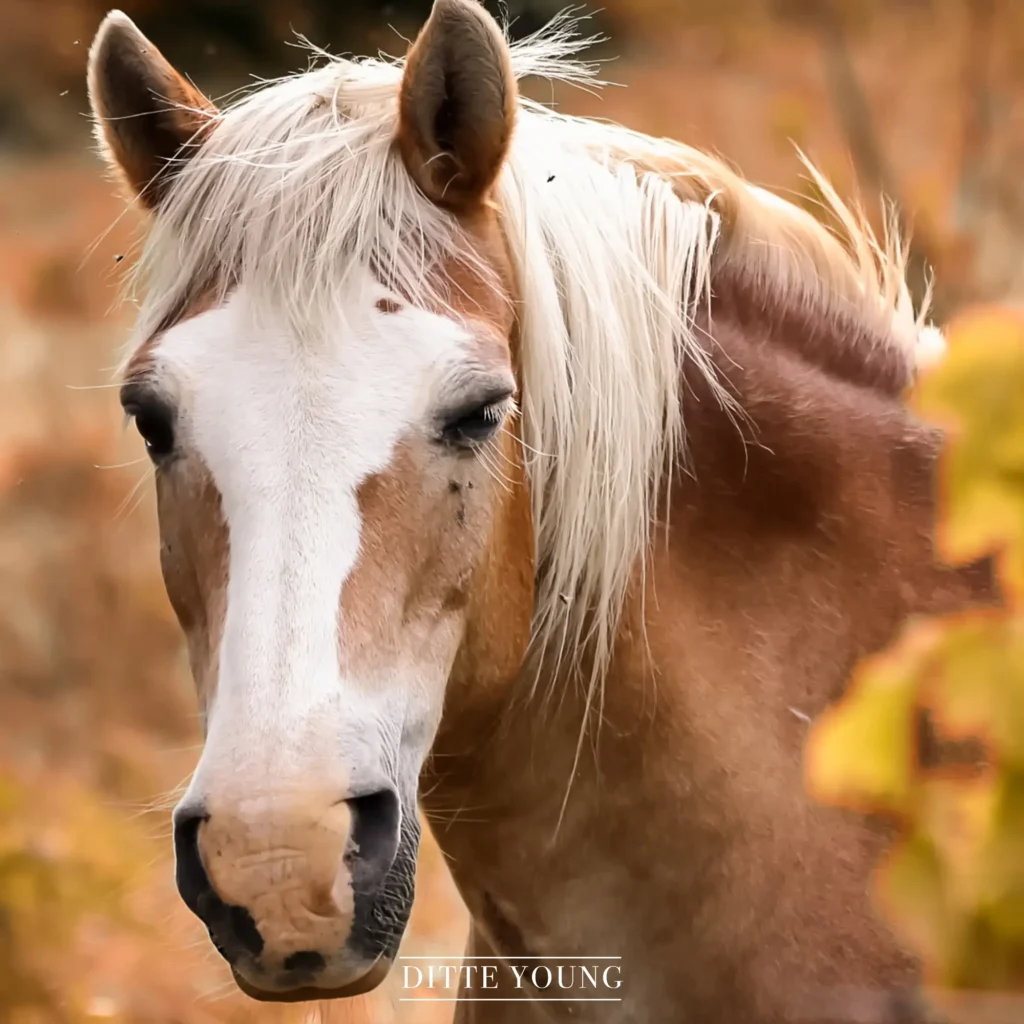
x,y
474,426
156,427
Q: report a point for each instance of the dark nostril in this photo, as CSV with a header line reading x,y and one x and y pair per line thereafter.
x,y
375,823
242,927
231,928
305,960
189,873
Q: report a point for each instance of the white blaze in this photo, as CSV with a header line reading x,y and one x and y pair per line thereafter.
x,y
288,433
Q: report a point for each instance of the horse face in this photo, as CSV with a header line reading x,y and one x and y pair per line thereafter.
x,y
327,506
323,512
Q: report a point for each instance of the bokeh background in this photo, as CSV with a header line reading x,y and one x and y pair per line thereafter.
x,y
922,100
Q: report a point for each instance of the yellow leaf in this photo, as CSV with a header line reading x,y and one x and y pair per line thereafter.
x,y
910,888
977,393
976,682
958,817
1002,864
861,752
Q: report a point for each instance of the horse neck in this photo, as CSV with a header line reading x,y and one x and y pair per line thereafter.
x,y
519,767
800,539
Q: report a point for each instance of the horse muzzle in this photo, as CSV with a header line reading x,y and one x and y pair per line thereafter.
x,y
305,899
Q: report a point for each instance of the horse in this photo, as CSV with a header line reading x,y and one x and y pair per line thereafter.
x,y
535,472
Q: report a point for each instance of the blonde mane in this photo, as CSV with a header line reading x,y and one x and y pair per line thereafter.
x,y
615,238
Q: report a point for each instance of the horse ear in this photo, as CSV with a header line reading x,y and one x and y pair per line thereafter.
x,y
457,104
148,117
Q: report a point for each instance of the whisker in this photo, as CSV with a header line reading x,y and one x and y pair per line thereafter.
x,y
123,512
92,387
123,465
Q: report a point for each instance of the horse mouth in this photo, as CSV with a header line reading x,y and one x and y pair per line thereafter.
x,y
361,984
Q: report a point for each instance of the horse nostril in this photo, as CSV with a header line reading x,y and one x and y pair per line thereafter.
x,y
305,960
231,928
189,873
376,818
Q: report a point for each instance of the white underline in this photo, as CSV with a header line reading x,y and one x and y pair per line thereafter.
x,y
507,999
457,957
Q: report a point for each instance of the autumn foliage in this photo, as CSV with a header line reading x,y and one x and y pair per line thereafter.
x,y
953,887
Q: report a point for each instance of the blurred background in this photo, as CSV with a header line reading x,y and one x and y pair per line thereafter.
x,y
922,100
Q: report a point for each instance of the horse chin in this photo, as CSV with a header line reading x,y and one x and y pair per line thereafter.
x,y
310,993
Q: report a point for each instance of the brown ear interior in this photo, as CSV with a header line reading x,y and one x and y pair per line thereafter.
x,y
457,104
149,118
